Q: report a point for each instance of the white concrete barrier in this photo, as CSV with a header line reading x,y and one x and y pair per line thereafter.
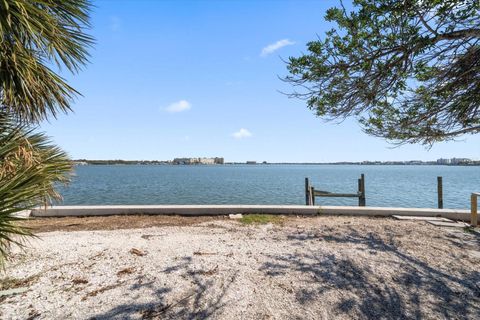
x,y
22,214
204,210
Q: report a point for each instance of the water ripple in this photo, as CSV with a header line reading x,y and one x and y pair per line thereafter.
x,y
402,186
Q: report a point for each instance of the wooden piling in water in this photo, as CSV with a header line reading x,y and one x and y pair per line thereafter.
x,y
474,209
311,193
362,201
312,196
440,192
307,191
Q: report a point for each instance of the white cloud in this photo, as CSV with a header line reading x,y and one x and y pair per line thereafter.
x,y
242,133
275,46
179,106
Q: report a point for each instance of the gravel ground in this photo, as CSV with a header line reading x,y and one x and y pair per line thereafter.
x,y
303,268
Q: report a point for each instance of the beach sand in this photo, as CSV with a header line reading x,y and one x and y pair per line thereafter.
x,y
192,268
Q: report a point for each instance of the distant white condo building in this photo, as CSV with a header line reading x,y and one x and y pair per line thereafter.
x,y
443,161
216,160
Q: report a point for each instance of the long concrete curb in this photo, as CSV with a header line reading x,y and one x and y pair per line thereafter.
x,y
212,210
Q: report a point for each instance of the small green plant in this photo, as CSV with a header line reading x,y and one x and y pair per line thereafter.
x,y
469,229
261,219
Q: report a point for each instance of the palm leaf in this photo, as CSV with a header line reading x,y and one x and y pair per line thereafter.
x,y
34,34
30,167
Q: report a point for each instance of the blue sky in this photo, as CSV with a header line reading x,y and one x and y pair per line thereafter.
x,y
201,78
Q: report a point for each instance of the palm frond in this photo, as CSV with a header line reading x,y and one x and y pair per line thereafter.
x,y
34,34
30,167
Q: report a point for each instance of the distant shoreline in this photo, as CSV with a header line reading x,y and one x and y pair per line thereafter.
x,y
364,163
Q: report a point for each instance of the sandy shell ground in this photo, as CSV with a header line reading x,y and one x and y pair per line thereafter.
x,y
302,268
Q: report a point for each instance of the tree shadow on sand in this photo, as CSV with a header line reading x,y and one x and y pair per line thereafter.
x,y
413,290
204,298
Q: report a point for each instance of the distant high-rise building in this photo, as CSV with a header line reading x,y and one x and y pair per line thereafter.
x,y
218,160
443,161
460,160
215,160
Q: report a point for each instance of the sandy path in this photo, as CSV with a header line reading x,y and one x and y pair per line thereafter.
x,y
309,268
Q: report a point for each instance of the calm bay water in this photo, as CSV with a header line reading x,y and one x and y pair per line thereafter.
x,y
403,186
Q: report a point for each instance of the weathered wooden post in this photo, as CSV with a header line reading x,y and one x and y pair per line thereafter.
x,y
361,189
307,192
312,194
440,192
474,209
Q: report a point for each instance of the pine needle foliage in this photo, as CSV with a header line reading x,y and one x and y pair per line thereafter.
x,y
408,71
